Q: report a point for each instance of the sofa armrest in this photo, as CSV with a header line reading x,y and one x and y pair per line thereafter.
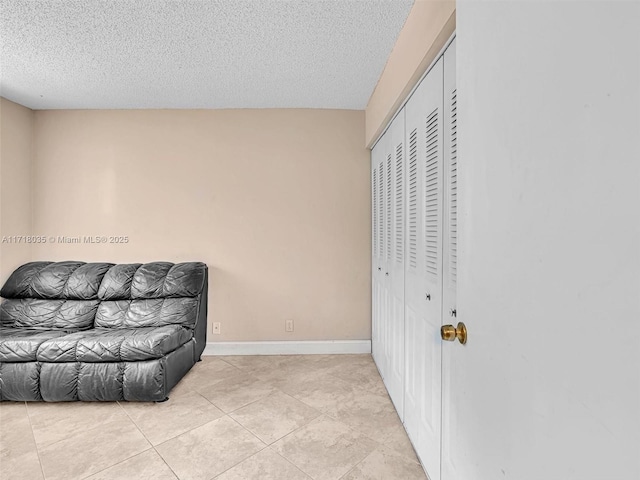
x,y
200,330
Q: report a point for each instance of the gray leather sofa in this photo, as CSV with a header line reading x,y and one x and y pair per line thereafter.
x,y
100,332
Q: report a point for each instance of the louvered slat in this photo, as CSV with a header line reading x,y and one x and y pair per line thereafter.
x,y
388,205
413,199
399,204
375,212
380,210
431,200
453,192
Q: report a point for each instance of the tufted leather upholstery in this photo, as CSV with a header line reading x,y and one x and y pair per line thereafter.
x,y
80,315
68,295
113,345
21,344
59,280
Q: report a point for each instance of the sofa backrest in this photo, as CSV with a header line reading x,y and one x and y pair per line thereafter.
x,y
78,295
152,294
60,295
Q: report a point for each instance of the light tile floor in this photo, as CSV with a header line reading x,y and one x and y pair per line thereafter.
x,y
320,417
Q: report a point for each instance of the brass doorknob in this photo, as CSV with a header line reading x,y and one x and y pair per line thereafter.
x,y
450,333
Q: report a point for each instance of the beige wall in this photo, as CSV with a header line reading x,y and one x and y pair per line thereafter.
x,y
428,27
276,202
16,157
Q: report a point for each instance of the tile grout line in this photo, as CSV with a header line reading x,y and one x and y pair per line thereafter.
x,y
246,458
358,430
299,428
276,390
185,432
288,433
241,461
358,463
369,389
266,445
70,435
191,429
378,444
224,414
287,460
228,363
26,407
239,408
150,443
270,445
322,414
381,444
124,459
115,464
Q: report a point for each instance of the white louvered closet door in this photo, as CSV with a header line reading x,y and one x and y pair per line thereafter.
x,y
450,264
378,263
387,174
388,209
375,257
423,269
394,376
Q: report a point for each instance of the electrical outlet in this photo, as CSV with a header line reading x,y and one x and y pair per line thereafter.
x,y
216,328
288,326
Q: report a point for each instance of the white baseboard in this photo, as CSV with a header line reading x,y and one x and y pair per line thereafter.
x,y
288,347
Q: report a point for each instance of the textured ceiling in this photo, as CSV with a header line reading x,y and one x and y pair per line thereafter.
x,y
196,53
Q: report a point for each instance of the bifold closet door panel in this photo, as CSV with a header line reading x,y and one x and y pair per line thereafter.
x,y
388,229
423,268
450,260
387,207
394,337
375,257
378,263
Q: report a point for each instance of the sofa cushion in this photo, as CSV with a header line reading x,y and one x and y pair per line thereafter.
x,y
18,285
48,314
148,281
152,280
163,279
184,280
20,381
116,284
21,344
114,344
84,282
56,280
153,312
